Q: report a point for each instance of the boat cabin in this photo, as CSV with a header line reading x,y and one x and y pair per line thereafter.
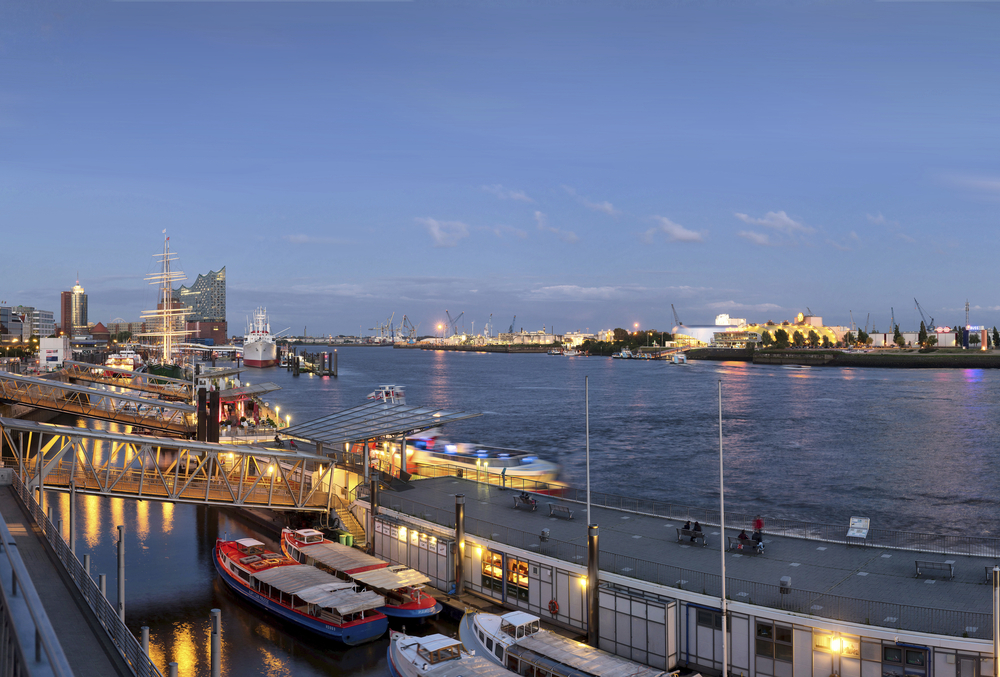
x,y
308,536
437,649
518,624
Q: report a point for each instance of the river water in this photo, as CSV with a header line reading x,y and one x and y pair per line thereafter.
x,y
911,449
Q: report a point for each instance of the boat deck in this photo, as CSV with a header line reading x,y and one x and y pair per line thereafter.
x,y
634,545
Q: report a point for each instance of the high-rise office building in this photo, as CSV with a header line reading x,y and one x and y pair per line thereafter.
x,y
66,313
78,312
207,300
11,325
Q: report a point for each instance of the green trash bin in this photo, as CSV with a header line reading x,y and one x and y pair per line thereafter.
x,y
350,539
343,538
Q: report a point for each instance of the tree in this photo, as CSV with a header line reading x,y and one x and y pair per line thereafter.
x,y
826,342
798,339
781,339
765,339
931,341
849,339
974,338
620,334
813,338
863,337
922,335
996,338
897,337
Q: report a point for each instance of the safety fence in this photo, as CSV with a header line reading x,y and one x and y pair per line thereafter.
x,y
129,647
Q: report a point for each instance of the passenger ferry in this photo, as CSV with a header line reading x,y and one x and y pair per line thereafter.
x,y
475,458
436,656
126,358
517,641
401,586
303,595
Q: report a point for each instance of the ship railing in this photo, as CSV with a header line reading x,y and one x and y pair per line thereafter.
x,y
812,603
129,647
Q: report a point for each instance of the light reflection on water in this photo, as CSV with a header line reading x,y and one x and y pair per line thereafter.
x,y
912,449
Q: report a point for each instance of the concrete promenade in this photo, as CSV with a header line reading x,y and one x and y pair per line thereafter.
x,y
87,646
865,573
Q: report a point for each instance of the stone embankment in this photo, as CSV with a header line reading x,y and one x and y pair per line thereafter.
x,y
890,357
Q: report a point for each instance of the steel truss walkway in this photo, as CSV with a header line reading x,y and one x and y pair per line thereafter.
x,y
98,462
164,386
172,417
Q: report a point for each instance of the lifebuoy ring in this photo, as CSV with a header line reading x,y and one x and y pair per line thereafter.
x,y
553,607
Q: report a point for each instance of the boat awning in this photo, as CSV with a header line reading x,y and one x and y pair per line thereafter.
x,y
388,579
374,419
579,656
318,587
344,600
341,557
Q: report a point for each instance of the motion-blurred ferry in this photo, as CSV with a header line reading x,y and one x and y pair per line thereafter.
x,y
473,458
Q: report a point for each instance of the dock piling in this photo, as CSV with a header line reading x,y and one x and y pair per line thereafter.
x,y
335,362
216,643
172,669
593,587
459,543
102,583
86,564
145,639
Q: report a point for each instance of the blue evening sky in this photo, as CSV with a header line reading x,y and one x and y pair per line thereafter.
x,y
579,165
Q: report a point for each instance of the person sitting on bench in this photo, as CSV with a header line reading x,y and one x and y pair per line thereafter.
x,y
696,528
687,525
527,500
743,538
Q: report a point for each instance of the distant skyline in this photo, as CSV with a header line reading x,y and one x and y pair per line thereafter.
x,y
581,166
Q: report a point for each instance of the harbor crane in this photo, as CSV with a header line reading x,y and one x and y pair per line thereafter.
x,y
854,328
676,318
928,325
453,323
511,330
406,328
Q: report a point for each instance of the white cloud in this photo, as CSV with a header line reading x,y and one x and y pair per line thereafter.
x,y
444,233
756,238
603,207
674,232
572,292
838,246
734,307
507,193
877,220
779,221
982,184
905,238
567,236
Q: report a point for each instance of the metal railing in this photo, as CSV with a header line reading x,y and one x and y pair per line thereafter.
x,y
21,651
129,647
824,605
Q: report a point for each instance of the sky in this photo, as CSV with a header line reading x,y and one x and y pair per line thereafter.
x,y
580,166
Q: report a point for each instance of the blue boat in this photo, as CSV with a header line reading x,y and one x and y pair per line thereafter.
x,y
299,594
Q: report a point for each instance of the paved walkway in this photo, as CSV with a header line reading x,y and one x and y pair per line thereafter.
x,y
85,643
856,572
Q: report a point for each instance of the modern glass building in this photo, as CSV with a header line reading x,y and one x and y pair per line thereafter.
x,y
206,297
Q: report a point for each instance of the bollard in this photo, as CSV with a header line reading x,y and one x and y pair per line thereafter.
x,y
121,573
145,639
172,669
86,564
59,526
72,518
335,362
48,513
102,583
216,643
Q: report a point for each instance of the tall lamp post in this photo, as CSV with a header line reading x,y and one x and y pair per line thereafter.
x,y
722,547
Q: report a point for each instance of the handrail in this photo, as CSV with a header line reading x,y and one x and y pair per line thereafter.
x,y
129,647
30,650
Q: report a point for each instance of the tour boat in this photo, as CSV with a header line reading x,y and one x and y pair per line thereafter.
x,y
679,358
259,348
475,458
388,394
401,586
517,641
570,352
300,594
555,351
436,656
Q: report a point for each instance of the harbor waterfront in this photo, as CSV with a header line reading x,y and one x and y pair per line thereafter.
x,y
906,449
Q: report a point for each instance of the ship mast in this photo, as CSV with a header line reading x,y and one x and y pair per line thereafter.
x,y
167,319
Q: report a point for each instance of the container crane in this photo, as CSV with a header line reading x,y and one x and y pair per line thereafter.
x,y
454,323
676,318
928,325
511,330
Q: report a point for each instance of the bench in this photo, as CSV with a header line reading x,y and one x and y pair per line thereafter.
x,y
689,535
556,510
928,568
746,546
529,503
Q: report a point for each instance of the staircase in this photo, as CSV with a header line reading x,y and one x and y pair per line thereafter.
x,y
350,522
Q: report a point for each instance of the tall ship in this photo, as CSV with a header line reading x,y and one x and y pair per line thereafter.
x,y
259,348
303,595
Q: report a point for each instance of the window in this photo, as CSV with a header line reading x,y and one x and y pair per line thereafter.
x,y
892,654
713,619
489,643
774,641
915,658
499,651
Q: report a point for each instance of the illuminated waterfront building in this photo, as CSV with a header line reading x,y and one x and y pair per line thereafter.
x,y
206,299
73,306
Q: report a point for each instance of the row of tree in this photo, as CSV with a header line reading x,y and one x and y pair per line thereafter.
x,y
622,338
781,339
